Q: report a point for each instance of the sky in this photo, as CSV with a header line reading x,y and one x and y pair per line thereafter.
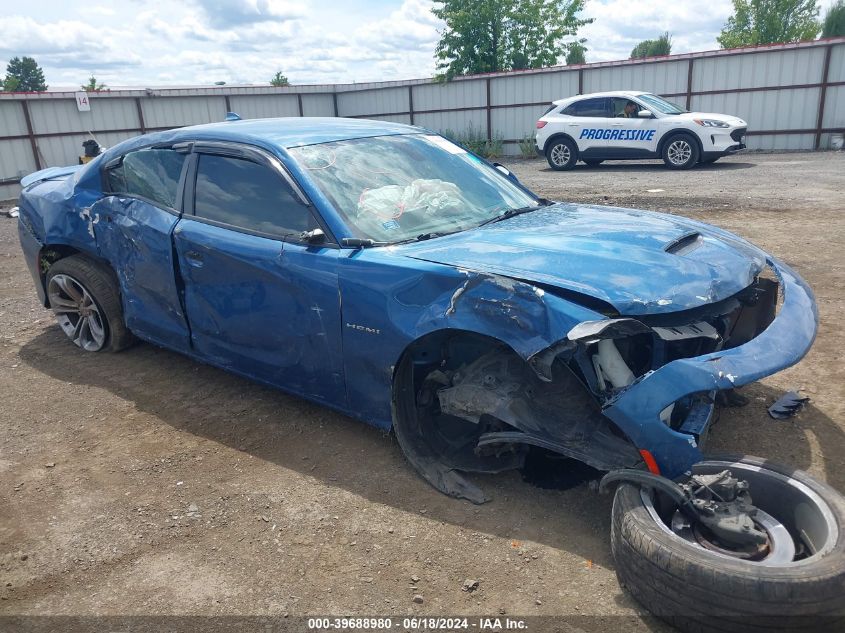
x,y
151,43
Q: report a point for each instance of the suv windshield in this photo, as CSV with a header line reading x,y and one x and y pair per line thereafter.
x,y
660,104
396,188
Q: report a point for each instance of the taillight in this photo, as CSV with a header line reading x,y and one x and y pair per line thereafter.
x,y
541,124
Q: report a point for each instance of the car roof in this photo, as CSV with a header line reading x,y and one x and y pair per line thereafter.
x,y
614,93
279,133
273,134
296,131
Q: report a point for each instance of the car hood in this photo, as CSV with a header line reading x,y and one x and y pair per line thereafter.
x,y
639,262
727,118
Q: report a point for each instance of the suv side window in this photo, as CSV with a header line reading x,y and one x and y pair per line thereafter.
x,y
618,104
246,195
148,173
595,107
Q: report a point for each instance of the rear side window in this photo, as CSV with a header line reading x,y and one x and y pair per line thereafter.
x,y
148,173
243,194
549,109
597,107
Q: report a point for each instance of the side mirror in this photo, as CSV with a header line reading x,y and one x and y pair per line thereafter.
x,y
504,170
314,236
645,114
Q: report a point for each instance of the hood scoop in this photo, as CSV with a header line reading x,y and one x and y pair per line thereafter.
x,y
684,244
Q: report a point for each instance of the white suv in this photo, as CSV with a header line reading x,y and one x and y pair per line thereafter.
x,y
634,125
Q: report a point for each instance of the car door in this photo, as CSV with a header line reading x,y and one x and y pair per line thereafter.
x,y
588,117
259,300
132,225
631,137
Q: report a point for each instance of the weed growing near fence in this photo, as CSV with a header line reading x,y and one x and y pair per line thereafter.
x,y
476,141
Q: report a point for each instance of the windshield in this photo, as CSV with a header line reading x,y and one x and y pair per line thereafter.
x,y
395,188
661,105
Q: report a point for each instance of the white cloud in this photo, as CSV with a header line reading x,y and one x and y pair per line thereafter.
x,y
188,42
229,13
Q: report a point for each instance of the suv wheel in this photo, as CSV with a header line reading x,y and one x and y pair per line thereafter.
x,y
562,154
680,152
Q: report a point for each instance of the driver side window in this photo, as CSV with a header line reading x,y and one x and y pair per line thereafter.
x,y
245,195
617,107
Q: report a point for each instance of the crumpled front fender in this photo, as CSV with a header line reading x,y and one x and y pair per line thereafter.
x,y
787,339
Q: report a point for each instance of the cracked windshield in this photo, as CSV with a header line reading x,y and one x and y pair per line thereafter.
x,y
397,188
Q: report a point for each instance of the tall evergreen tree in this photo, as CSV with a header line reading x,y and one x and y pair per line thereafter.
x,y
23,74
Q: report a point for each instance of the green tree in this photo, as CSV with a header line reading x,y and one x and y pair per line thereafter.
x,y
576,54
491,35
653,48
279,80
834,20
769,22
23,74
92,85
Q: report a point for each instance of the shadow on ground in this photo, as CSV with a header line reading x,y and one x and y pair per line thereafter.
x,y
631,167
342,452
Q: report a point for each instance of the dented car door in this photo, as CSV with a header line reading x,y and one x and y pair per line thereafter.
x,y
259,301
133,227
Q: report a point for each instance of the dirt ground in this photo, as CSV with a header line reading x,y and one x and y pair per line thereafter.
x,y
143,482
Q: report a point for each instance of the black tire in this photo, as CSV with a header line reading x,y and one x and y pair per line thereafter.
x,y
680,151
562,154
698,591
593,162
101,285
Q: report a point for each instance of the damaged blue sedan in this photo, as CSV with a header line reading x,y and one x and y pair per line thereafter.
x,y
385,271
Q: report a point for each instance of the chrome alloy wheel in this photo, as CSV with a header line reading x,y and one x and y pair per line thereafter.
x,y
561,154
679,152
77,312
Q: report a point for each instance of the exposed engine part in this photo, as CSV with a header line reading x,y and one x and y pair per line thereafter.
x,y
717,508
612,366
700,329
650,480
559,415
724,506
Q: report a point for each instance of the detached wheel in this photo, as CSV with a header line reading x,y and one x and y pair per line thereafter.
x,y
680,152
86,301
562,154
794,582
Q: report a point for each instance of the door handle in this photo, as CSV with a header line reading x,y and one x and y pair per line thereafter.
x,y
619,124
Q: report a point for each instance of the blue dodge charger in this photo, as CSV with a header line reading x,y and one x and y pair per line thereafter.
x,y
385,271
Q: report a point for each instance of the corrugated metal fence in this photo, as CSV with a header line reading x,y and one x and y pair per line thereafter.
x,y
792,95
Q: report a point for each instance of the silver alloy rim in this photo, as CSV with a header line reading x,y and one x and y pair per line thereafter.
x,y
560,155
810,519
679,152
77,312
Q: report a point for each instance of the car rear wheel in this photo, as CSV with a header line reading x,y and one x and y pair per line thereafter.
x,y
86,301
680,152
793,582
562,154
